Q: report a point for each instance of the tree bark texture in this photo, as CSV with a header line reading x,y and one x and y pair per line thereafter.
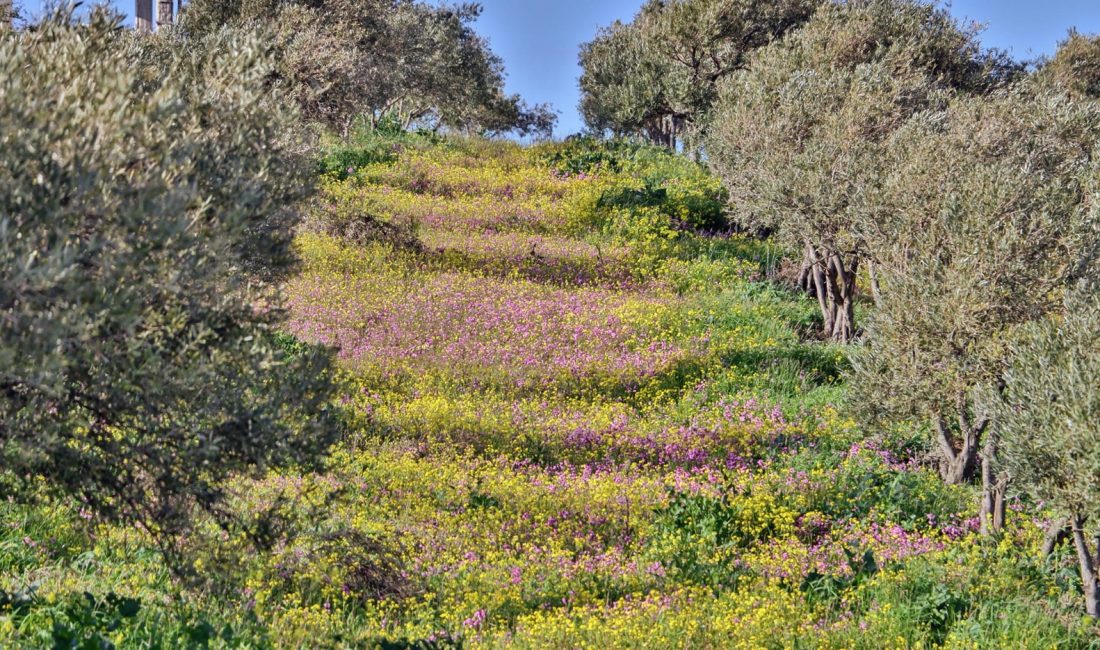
x,y
960,451
805,276
1057,533
665,130
833,282
876,291
993,491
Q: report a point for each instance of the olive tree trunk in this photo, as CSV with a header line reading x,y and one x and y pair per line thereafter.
x,y
876,290
7,13
960,450
1058,532
143,15
1088,561
833,283
993,490
664,130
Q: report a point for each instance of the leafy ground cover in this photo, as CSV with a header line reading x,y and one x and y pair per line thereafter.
x,y
579,415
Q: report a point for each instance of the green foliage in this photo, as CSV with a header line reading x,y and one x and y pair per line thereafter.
x,y
925,602
1017,180
139,362
86,622
820,588
657,76
408,61
587,155
370,145
647,177
963,598
704,532
1075,67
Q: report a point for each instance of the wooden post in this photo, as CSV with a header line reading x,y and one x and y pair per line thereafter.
x,y
164,13
143,15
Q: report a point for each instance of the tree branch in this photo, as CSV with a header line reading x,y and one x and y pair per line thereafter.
x,y
944,439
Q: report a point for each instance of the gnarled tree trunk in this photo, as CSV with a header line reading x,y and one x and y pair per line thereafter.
x,y
1088,559
960,452
833,283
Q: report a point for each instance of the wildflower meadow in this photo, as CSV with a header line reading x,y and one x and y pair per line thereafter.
x,y
573,421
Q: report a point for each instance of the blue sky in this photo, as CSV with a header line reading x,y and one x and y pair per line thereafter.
x,y
538,39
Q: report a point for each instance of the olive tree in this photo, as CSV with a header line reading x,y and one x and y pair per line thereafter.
x,y
986,221
621,88
1075,67
1049,414
658,75
799,136
412,61
705,41
140,362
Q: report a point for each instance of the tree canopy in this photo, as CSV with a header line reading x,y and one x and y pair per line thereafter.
x,y
139,361
657,76
416,62
800,134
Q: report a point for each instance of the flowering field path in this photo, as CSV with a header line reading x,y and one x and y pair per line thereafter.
x,y
586,424
575,411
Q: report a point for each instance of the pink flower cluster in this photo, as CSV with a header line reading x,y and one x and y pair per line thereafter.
x,y
534,336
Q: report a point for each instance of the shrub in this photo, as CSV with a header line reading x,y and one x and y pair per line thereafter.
x,y
369,144
970,250
699,536
586,155
140,362
1051,429
1075,67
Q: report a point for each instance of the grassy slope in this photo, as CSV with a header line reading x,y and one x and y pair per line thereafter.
x,y
574,425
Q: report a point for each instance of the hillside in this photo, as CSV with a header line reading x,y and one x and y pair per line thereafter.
x,y
577,415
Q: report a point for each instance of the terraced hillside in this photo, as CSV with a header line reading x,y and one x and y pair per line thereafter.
x,y
579,415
